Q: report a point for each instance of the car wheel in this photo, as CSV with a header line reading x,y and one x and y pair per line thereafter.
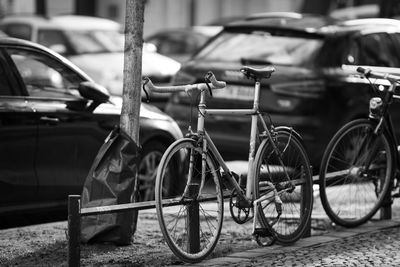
x,y
150,158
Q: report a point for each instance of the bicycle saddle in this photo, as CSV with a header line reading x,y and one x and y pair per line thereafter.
x,y
257,74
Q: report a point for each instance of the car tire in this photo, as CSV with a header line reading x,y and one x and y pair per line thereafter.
x,y
150,158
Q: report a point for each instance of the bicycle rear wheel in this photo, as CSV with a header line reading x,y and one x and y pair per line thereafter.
x,y
355,173
297,201
191,216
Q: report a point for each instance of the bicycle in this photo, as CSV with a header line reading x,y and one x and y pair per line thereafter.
x,y
359,163
276,193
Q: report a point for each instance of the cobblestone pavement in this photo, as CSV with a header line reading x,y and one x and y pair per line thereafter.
x,y
373,244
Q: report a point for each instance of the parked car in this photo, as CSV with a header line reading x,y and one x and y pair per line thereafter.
x,y
53,120
315,88
181,43
95,45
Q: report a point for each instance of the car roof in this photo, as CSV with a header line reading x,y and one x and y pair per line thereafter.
x,y
70,22
312,24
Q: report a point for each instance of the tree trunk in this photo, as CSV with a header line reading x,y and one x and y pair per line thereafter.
x,y
131,97
132,68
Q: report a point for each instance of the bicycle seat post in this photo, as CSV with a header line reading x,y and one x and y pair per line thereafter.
x,y
256,102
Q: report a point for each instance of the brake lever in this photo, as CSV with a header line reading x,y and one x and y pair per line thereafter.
x,y
207,80
146,80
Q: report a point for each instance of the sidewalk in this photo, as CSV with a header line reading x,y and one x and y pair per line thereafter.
x,y
373,244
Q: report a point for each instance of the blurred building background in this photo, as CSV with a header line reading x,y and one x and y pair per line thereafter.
x,y
181,13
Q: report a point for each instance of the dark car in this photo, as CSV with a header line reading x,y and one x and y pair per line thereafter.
x,y
315,88
50,134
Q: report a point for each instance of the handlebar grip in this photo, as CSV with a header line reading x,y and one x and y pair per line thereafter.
x,y
217,84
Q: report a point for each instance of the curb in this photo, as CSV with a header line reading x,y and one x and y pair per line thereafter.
x,y
337,233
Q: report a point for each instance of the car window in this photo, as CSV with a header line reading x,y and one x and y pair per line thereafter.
x,y
44,76
335,52
96,41
177,43
261,46
172,44
5,86
394,52
55,40
375,49
193,42
21,31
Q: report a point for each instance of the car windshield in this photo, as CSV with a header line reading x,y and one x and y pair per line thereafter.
x,y
260,47
96,41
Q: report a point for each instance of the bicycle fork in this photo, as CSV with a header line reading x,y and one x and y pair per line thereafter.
x,y
195,182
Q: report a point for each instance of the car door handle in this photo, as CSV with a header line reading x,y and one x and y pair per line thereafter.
x,y
50,120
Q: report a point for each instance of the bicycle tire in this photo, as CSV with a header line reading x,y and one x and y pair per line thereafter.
x,y
297,204
342,174
178,222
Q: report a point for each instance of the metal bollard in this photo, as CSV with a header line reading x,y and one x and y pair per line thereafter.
x,y
307,232
74,228
193,222
386,207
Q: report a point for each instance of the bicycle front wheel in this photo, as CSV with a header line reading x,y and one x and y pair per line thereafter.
x,y
355,173
289,171
191,215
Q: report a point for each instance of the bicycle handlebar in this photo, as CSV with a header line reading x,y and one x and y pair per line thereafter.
x,y
215,84
379,75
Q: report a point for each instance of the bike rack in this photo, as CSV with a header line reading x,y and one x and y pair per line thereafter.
x,y
75,212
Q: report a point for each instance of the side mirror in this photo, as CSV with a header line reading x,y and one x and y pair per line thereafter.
x,y
95,92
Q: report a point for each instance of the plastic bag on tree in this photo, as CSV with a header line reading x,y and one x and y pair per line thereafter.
x,y
112,179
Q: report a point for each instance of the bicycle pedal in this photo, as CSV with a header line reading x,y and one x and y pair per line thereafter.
x,y
262,232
